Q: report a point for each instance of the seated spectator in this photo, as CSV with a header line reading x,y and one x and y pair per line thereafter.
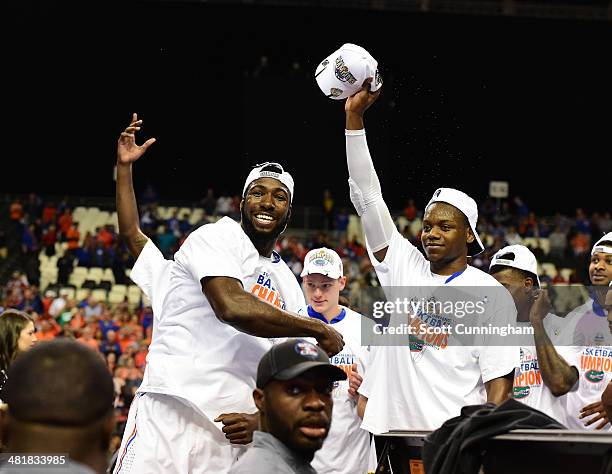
x,y
65,223
107,323
72,237
31,301
558,243
48,330
77,420
166,241
111,344
581,244
49,213
87,339
65,266
512,237
49,239
92,308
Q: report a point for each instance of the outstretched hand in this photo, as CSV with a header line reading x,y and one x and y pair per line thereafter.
x,y
595,412
127,150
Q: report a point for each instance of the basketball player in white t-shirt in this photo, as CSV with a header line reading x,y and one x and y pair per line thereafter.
x,y
347,448
423,387
547,369
225,286
588,329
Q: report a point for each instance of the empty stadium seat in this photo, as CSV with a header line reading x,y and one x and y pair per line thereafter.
x,y
82,293
115,297
566,273
95,273
68,291
551,269
100,295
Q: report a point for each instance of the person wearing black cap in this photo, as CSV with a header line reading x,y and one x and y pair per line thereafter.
x,y
60,401
295,381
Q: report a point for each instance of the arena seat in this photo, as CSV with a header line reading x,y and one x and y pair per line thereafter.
x,y
95,273
551,269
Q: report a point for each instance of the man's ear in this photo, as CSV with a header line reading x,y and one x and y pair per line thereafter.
x,y
259,398
470,235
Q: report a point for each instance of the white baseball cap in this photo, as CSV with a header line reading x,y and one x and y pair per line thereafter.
x,y
516,256
599,247
323,261
343,72
467,206
270,170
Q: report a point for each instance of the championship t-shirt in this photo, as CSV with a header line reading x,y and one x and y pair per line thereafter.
x,y
193,355
530,389
588,330
346,449
420,387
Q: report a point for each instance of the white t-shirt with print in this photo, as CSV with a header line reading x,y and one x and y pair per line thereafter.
x,y
421,389
528,386
346,449
193,355
590,332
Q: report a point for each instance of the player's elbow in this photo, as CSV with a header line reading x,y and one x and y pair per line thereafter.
x,y
560,386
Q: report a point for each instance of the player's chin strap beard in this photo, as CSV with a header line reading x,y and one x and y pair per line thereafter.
x,y
260,240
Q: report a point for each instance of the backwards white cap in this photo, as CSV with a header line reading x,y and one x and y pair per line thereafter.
x,y
343,72
270,170
466,205
600,248
324,261
516,256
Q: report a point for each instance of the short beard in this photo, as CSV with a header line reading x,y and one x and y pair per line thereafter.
x,y
260,239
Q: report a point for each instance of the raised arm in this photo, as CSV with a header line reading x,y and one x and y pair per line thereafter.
x,y
245,312
557,374
127,210
366,194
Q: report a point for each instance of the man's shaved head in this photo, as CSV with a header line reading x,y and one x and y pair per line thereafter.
x,y
60,383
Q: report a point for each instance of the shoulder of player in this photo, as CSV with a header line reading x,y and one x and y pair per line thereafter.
x,y
477,277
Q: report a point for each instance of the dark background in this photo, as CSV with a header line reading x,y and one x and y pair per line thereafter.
x,y
466,99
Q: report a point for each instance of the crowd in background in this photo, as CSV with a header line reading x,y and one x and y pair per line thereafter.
x,y
121,333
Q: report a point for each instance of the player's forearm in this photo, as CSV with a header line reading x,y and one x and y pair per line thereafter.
x,y
498,390
557,374
127,211
354,121
250,315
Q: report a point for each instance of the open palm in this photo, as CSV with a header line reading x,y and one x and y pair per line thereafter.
x,y
127,149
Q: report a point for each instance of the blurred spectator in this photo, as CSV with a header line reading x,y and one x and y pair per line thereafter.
x,y
582,224
581,244
87,339
16,211
49,238
166,241
410,211
107,323
31,301
341,224
208,202
65,265
64,223
558,243
111,344
49,214
512,237
33,206
224,205
72,237
328,210
48,330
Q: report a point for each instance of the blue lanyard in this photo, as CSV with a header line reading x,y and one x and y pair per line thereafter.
x,y
454,275
313,314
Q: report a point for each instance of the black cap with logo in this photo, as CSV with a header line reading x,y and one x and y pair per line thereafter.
x,y
292,358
